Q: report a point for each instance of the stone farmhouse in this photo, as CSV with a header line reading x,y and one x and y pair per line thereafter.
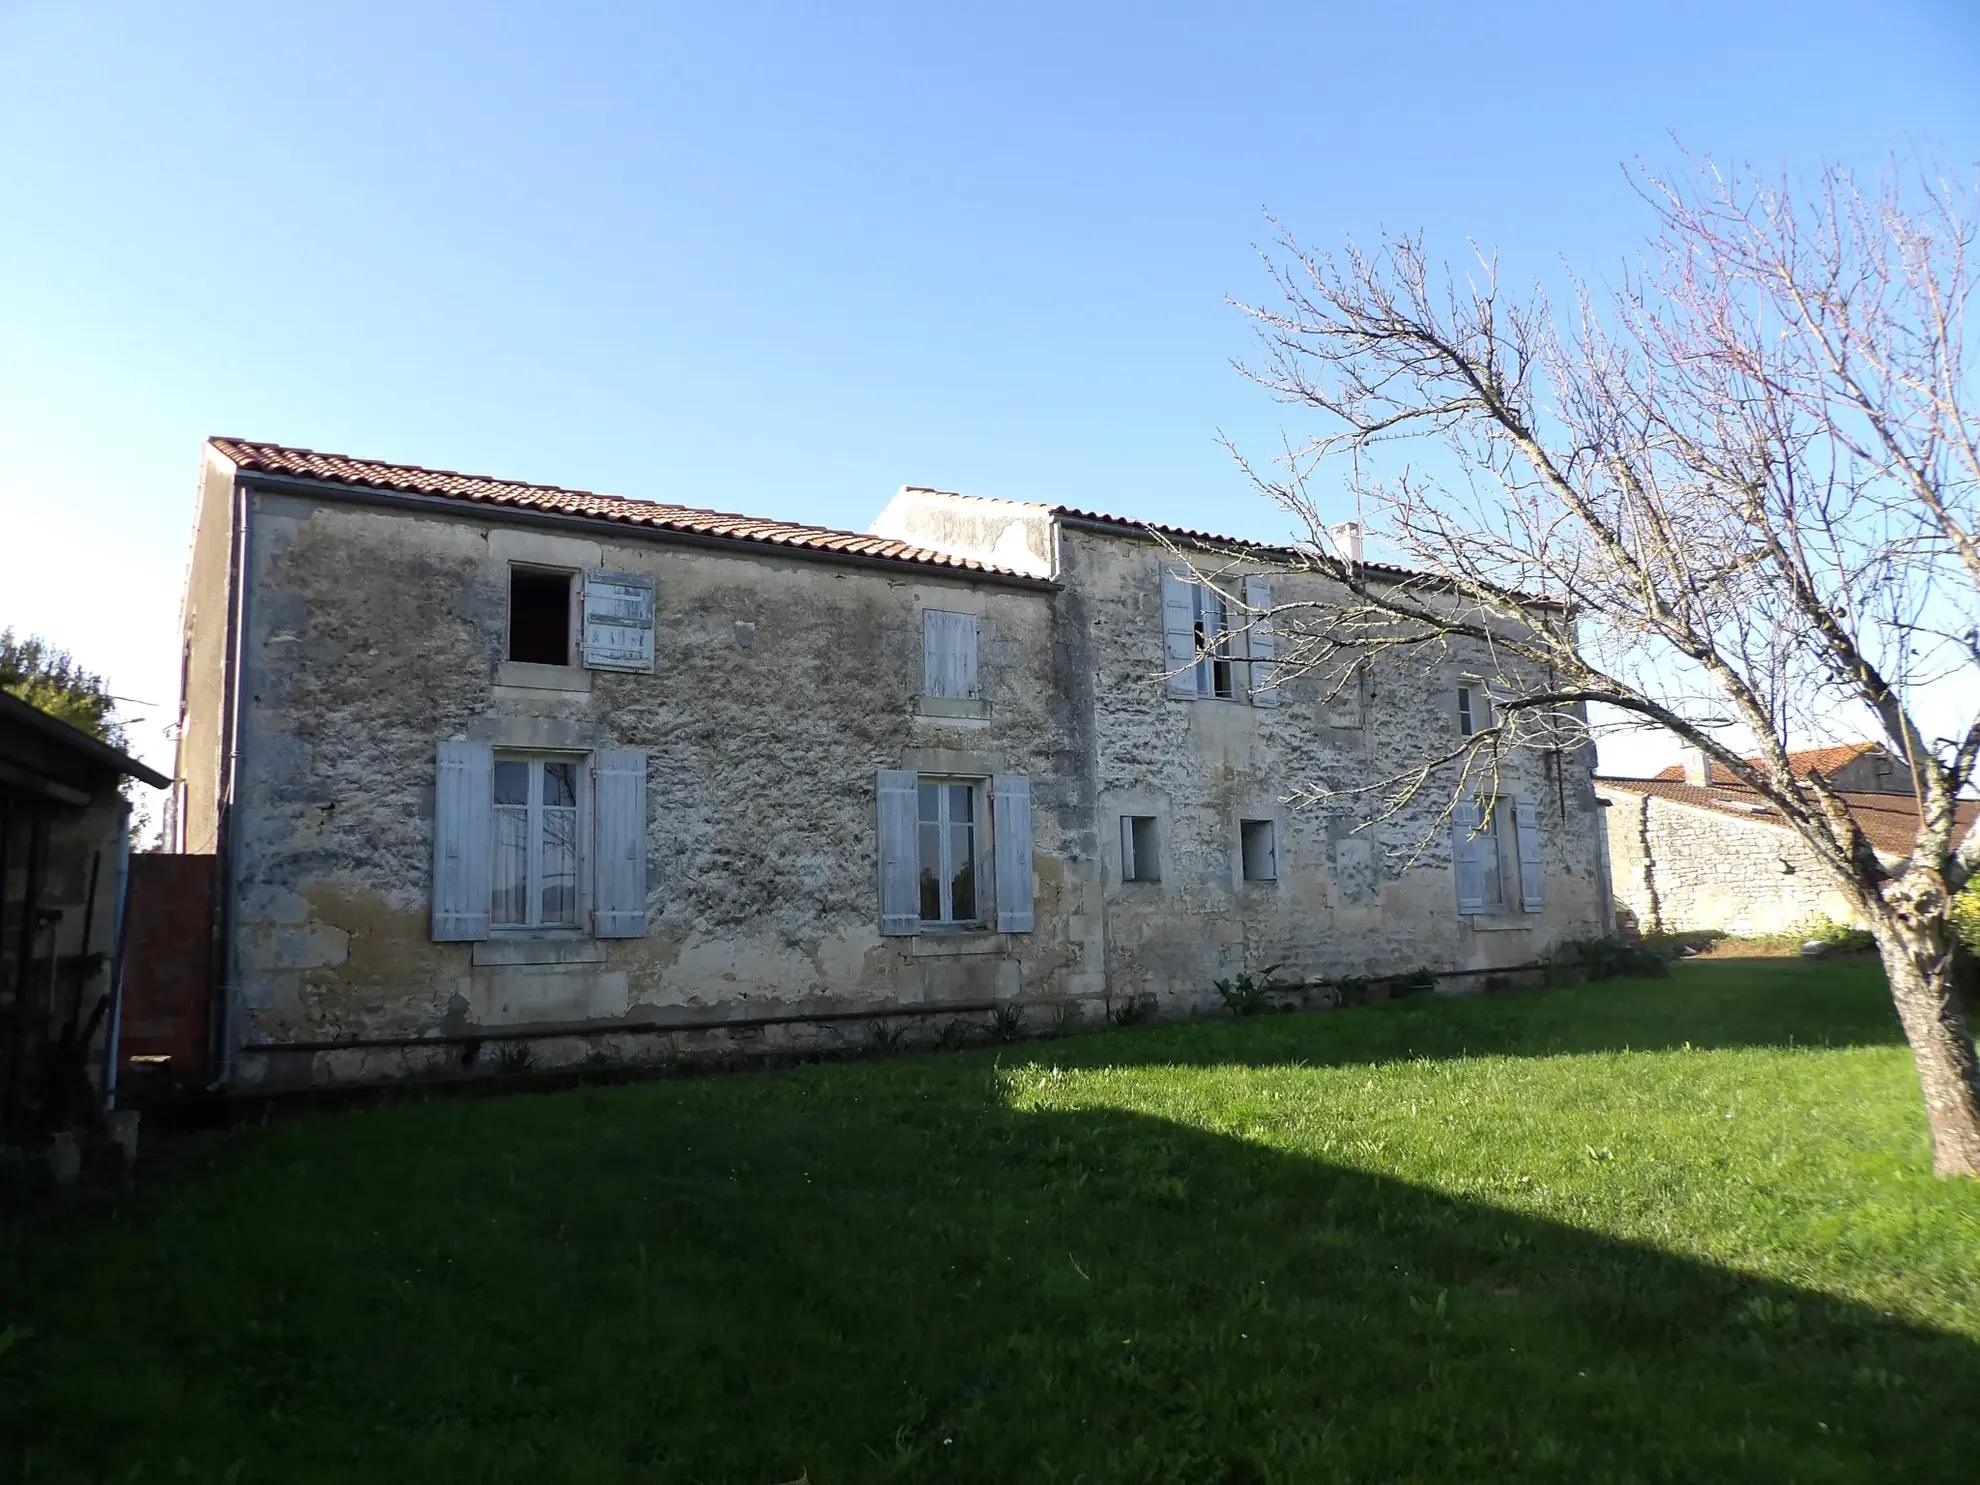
x,y
483,762
1694,852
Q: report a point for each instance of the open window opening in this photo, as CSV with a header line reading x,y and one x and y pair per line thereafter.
x,y
539,616
1141,855
1258,842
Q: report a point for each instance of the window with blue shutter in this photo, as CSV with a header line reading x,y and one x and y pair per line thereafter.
x,y
618,621
900,904
948,655
1527,827
1179,629
1468,857
462,849
1010,795
619,844
1263,647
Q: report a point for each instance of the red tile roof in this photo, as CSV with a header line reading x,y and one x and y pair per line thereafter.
x,y
1824,761
410,479
1889,820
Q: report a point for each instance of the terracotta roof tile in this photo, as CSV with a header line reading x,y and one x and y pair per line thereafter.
x,y
1824,761
410,479
1889,820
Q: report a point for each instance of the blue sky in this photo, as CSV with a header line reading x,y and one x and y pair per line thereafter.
x,y
783,259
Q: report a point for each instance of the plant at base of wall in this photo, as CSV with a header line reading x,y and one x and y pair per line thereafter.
x,y
1065,1019
883,1039
515,1057
1007,1022
954,1034
1132,1011
1251,994
1346,990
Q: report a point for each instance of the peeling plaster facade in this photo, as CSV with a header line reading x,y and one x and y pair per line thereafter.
x,y
369,628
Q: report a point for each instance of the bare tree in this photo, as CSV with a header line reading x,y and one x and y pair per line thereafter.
x,y
1750,480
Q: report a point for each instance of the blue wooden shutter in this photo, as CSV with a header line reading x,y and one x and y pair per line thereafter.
x,y
618,621
900,853
1010,821
618,833
1526,825
1178,629
1467,856
948,655
462,817
1264,645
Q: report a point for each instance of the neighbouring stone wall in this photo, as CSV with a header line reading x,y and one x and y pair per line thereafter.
x,y
781,687
1680,869
1351,898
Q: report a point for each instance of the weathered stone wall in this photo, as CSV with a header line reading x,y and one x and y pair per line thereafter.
x,y
1680,869
780,688
1351,898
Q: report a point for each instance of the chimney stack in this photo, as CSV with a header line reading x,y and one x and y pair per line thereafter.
x,y
1697,765
1346,538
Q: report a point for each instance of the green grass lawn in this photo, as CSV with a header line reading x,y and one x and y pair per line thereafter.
x,y
1680,1230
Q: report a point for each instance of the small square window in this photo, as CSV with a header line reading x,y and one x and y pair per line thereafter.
x,y
539,616
1258,841
1141,852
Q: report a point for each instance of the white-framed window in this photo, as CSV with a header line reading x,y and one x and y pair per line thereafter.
x,y
535,843
1211,631
1474,708
534,882
1216,647
1141,849
1258,850
955,852
1495,850
948,655
951,865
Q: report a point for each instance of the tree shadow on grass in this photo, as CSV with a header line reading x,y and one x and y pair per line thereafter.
x,y
878,1274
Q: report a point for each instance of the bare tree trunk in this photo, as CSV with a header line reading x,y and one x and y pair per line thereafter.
x,y
1915,943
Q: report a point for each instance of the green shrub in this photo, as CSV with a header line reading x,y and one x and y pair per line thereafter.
x,y
1251,994
1844,937
1966,918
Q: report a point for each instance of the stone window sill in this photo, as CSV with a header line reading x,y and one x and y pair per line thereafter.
x,y
946,943
1497,923
973,708
563,948
524,676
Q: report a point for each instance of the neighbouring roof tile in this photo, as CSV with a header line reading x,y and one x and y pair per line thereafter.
x,y
1889,820
1804,764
